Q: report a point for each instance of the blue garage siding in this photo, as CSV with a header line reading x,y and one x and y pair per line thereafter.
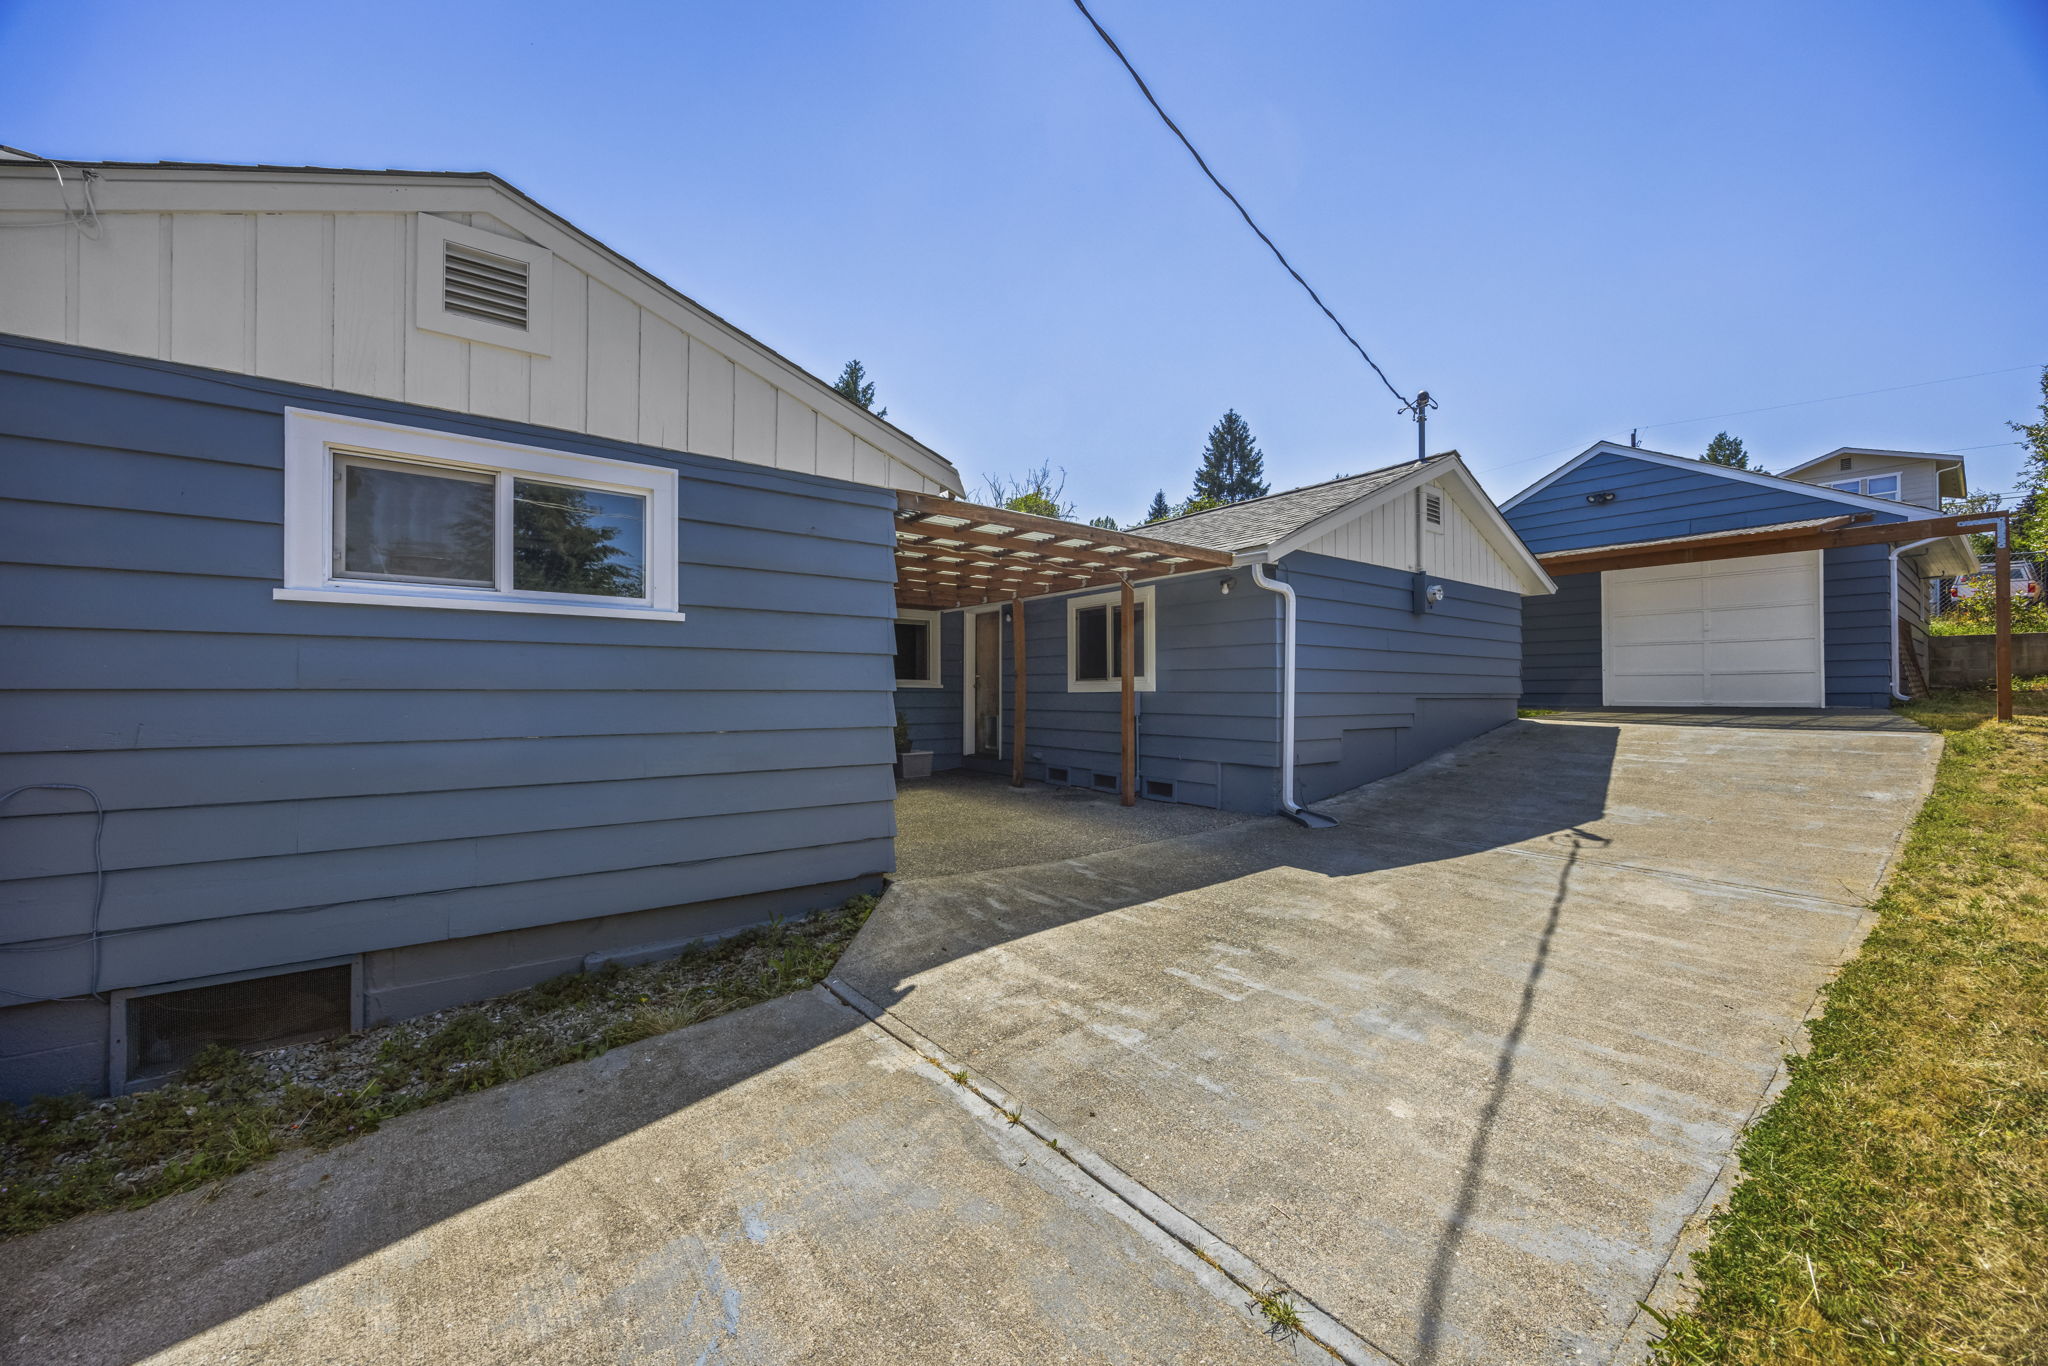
x,y
1654,501
1561,665
291,781
1379,687
1561,645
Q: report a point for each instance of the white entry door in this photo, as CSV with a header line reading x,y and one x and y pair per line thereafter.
x,y
1726,633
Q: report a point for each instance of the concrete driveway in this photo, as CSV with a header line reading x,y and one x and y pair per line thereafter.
x,y
1456,1074
1459,1071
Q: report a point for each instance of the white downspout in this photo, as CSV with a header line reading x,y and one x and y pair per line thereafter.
x,y
1288,807
1897,551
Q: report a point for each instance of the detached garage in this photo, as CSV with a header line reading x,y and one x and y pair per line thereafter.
x,y
1684,584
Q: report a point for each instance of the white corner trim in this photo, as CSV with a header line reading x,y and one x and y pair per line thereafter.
x,y
430,312
1145,681
1680,462
936,659
311,439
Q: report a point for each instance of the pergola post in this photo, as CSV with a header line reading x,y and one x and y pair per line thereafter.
x,y
2002,642
1127,693
1017,688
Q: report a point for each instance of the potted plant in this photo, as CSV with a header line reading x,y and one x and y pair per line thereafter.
x,y
910,763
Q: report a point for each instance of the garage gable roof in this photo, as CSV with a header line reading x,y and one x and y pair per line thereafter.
x,y
1687,463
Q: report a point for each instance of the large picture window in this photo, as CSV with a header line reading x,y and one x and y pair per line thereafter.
x,y
400,516
917,650
1095,642
1874,485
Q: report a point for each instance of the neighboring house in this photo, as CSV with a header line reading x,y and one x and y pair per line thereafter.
x,y
1920,478
252,422
434,602
1388,672
1697,616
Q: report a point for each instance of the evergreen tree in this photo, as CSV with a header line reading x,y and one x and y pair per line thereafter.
x,y
1727,450
854,385
561,544
1232,469
2030,497
1160,509
1106,522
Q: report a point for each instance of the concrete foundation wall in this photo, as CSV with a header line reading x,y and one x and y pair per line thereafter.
x,y
1964,661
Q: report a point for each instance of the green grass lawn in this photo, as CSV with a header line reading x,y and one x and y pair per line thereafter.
x,y
1894,1202
66,1155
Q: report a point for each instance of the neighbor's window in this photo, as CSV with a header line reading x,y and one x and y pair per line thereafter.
x,y
1876,485
917,650
419,519
1095,643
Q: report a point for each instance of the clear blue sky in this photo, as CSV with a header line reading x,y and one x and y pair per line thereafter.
x,y
1563,220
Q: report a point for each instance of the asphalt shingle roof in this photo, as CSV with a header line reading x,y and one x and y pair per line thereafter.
x,y
1262,521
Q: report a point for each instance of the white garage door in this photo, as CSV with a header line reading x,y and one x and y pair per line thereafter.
x,y
1727,633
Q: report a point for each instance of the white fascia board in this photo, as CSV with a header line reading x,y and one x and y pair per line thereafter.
x,y
1840,451
190,189
1681,462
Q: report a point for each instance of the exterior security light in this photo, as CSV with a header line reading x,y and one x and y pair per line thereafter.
x,y
1225,586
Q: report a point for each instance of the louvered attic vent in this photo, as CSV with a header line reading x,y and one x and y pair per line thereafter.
x,y
476,283
1433,507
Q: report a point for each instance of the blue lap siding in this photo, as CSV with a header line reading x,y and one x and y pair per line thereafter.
x,y
292,781
1379,688
1561,650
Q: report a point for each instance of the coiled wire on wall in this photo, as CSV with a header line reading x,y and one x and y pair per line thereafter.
x,y
99,891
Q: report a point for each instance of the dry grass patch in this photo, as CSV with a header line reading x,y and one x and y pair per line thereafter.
x,y
1894,1202
61,1156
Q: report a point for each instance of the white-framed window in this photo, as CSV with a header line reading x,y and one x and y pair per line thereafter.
x,y
400,516
483,287
917,649
1432,508
1095,642
1871,485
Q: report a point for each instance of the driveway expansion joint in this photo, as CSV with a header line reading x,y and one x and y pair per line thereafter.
x,y
1222,1269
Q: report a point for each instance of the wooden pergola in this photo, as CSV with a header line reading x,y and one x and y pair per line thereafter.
x,y
1829,533
953,554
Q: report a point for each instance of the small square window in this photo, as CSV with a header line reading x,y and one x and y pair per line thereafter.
x,y
1095,643
917,650
1882,486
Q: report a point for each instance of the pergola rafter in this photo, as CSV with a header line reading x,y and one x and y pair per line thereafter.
x,y
951,555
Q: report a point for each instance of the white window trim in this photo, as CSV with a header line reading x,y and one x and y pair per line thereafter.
x,y
431,314
932,661
1862,483
1144,681
310,439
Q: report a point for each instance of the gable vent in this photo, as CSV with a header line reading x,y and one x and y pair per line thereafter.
x,y
481,285
1432,507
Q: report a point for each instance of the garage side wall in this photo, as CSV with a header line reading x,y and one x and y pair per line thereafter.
x,y
467,801
1561,645
1379,686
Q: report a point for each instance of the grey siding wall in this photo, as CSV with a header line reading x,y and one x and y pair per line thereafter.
x,y
933,714
1654,500
1913,592
1379,687
1561,645
289,781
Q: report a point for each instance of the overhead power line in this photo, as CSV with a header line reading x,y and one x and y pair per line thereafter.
x,y
1775,407
1235,203
1831,398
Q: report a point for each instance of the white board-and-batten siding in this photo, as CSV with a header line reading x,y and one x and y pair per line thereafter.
x,y
1386,535
321,292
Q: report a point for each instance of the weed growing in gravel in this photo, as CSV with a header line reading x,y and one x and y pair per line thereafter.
x,y
228,1111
